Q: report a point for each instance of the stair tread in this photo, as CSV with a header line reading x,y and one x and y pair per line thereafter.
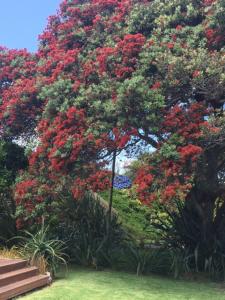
x,y
21,287
17,272
6,262
23,282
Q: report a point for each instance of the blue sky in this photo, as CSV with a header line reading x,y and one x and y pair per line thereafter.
x,y
21,21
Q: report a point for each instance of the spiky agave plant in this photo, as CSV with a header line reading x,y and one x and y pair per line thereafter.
x,y
39,246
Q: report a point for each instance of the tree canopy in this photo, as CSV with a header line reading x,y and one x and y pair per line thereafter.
x,y
123,75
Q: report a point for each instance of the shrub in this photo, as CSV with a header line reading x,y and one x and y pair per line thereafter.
x,y
190,251
85,232
139,258
43,251
12,159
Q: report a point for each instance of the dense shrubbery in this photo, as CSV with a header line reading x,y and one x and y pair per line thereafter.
x,y
12,159
84,228
181,235
131,247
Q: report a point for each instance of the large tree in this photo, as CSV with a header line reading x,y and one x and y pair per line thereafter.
x,y
145,74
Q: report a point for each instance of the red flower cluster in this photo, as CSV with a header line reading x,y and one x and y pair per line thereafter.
x,y
190,151
209,2
19,105
144,179
168,178
178,120
29,194
24,188
96,182
196,73
156,85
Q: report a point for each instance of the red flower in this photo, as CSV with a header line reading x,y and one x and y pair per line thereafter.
x,y
19,223
179,27
190,151
156,85
210,33
196,73
170,45
209,2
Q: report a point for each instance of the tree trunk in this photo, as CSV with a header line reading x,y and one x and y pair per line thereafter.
x,y
200,203
200,208
111,196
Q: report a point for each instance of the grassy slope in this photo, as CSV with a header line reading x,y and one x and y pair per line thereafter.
x,y
132,214
85,284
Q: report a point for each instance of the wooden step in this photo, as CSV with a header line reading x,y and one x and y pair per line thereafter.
x,y
17,275
17,288
9,265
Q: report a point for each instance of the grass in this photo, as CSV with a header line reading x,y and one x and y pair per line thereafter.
x,y
86,284
12,253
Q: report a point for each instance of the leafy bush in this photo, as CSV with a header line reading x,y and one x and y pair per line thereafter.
x,y
12,159
140,259
85,231
181,233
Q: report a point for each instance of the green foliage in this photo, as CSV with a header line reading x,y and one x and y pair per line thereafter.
x,y
12,159
136,164
60,94
39,245
82,225
146,260
7,225
169,151
142,19
85,231
190,250
133,215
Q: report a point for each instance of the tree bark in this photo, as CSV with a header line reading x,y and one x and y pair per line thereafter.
x,y
111,195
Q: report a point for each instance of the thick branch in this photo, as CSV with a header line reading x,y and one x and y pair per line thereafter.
x,y
149,140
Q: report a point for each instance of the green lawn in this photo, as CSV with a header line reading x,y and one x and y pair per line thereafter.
x,y
86,284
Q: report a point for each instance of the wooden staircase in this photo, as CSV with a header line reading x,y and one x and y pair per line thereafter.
x,y
17,277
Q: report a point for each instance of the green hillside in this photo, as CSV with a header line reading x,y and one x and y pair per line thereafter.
x,y
133,215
